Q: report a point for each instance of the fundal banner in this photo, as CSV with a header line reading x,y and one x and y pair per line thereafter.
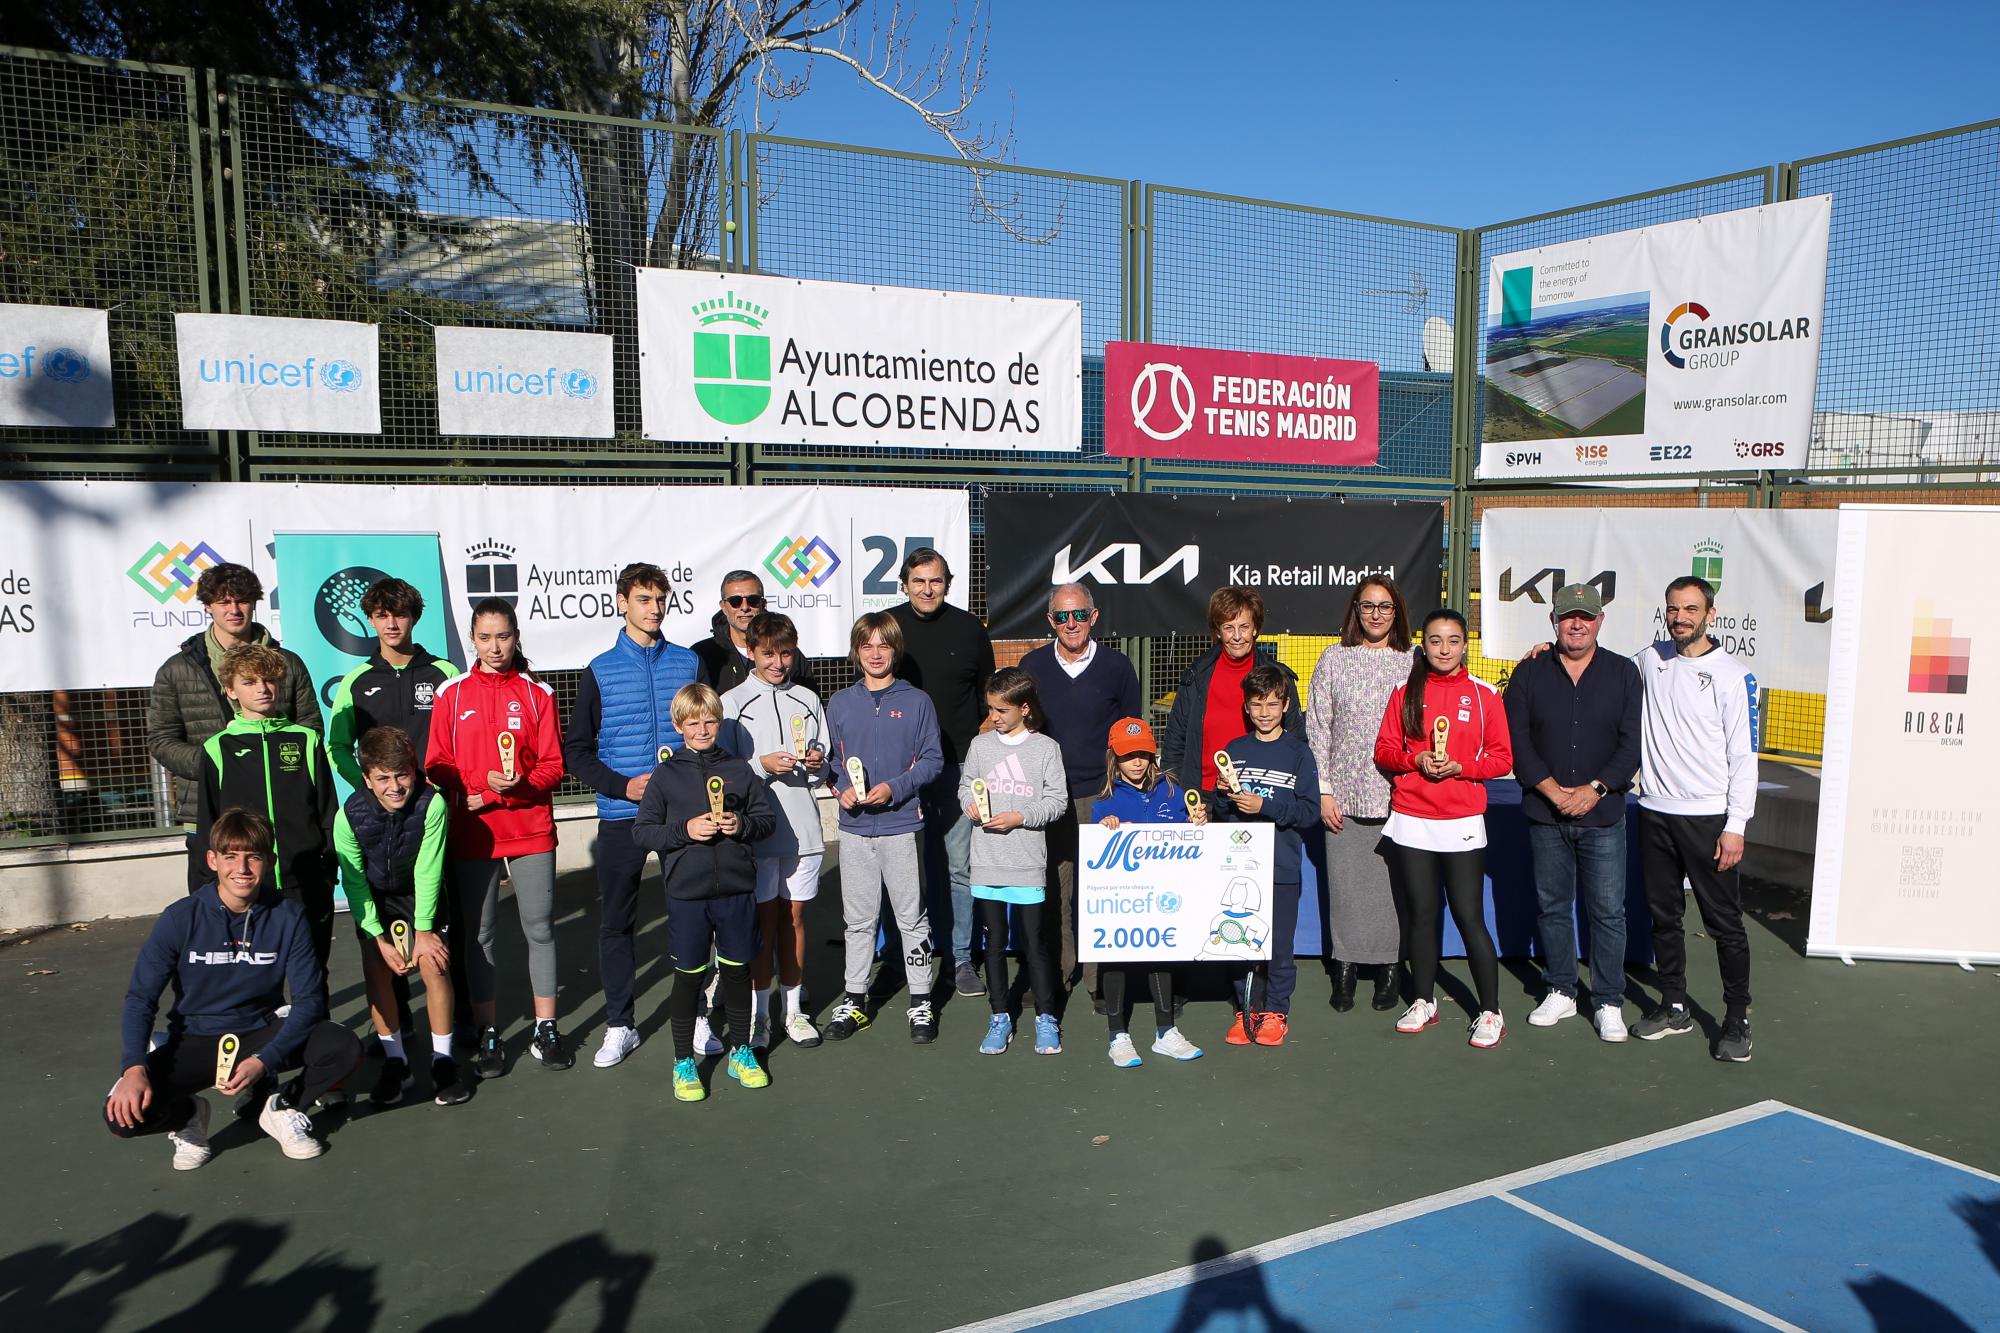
x,y
101,588
522,382
732,357
1772,570
1685,348
55,367
1248,407
253,372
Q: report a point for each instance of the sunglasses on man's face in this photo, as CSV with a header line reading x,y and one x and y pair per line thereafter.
x,y
740,601
1065,617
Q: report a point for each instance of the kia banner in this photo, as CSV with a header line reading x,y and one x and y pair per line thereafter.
x,y
1239,407
1151,561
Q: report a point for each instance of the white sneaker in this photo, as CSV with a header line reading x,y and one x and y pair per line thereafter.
x,y
1123,1053
1553,1009
1487,1030
617,1044
799,1030
705,1042
292,1129
1175,1046
191,1140
1611,1022
1420,1015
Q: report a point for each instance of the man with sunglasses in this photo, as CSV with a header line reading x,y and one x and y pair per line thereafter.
x,y
1085,688
725,655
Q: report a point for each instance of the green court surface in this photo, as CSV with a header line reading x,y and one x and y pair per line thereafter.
x,y
876,1185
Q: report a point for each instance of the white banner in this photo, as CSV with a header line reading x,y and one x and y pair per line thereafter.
x,y
1772,570
98,587
1685,348
730,356
1908,830
253,372
1174,892
524,382
55,367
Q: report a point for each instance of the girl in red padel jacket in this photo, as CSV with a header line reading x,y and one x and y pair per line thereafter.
x,y
1437,815
496,755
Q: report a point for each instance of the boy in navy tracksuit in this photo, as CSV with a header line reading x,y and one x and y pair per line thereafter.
x,y
228,951
1278,783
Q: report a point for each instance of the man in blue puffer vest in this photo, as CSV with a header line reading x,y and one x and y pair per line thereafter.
x,y
620,730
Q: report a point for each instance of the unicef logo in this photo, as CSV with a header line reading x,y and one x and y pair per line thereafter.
x,y
1170,901
66,365
1179,404
579,384
340,376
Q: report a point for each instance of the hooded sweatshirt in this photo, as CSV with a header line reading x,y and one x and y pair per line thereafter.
x,y
894,733
1478,739
472,712
229,973
759,718
376,694
678,792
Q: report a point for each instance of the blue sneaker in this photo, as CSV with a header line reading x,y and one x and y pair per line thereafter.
x,y
1048,1036
999,1033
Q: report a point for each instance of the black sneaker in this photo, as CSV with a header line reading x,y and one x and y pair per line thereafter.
x,y
966,980
849,1017
1669,1020
488,1061
549,1046
1734,1043
447,1088
923,1022
394,1082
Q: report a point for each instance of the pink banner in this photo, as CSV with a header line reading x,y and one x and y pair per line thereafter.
x,y
1239,407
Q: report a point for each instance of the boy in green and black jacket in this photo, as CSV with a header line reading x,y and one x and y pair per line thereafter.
x,y
394,687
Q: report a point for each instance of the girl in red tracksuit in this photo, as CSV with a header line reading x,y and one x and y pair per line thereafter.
x,y
496,755
1437,815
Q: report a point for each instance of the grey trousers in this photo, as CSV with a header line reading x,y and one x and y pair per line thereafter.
x,y
534,881
867,867
1361,907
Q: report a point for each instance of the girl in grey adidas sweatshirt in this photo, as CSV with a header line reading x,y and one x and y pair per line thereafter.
x,y
1012,787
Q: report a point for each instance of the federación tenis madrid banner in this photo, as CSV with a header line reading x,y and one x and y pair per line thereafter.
x,y
733,357
254,372
1772,570
523,382
1909,830
99,584
55,367
1162,401
1684,348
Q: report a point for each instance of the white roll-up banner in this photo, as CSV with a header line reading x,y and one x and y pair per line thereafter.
x,y
55,367
523,382
731,356
98,586
1909,831
1772,570
255,372
1686,348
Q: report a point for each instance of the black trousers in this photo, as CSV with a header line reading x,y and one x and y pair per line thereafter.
x,y
620,862
1159,980
1035,952
1415,876
1677,847
186,1065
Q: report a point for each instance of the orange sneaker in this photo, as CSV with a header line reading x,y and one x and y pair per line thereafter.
x,y
1271,1029
1243,1030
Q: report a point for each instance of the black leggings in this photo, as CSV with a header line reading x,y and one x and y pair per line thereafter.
x,y
1112,976
1414,874
186,1065
684,1006
1035,952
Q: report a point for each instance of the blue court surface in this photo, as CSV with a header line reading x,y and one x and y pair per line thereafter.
x,y
1767,1217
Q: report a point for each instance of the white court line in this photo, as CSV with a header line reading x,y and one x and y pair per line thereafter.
x,y
1891,1143
1071,1306
1652,1265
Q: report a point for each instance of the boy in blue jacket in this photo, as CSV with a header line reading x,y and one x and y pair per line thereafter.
x,y
884,734
228,950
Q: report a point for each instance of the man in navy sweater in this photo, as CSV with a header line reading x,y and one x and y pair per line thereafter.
x,y
1085,687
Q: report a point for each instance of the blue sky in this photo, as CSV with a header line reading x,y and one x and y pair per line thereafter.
x,y
1447,113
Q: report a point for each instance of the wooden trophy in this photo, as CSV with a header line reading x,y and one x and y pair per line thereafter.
x,y
715,797
1225,767
225,1057
666,753
857,775
982,800
1439,730
1193,799
399,935
507,744
799,737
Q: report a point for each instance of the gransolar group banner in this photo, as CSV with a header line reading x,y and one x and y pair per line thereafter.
x,y
1686,348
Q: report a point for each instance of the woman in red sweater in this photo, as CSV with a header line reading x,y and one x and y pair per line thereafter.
x,y
1437,815
496,755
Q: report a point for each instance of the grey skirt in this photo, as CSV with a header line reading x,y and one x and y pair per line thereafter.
x,y
1361,909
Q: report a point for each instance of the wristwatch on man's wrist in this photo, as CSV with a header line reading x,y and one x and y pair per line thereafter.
x,y
1598,787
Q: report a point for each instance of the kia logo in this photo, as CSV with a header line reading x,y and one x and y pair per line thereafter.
x,y
1131,565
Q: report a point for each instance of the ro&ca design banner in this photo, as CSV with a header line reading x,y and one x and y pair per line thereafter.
x,y
1247,407
1685,348
252,372
522,382
730,356
1152,561
1173,892
55,367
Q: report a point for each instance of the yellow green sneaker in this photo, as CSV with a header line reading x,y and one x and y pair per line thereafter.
x,y
743,1067
687,1081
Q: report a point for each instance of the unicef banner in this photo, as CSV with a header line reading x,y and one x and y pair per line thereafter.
x,y
522,382
1685,348
730,356
55,367
1908,835
1174,892
252,372
1772,570
99,586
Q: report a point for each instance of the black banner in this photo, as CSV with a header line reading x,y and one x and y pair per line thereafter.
x,y
1152,560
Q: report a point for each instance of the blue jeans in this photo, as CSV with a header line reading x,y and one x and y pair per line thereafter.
x,y
948,865
1571,862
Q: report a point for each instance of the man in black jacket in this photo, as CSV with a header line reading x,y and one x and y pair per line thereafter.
x,y
725,654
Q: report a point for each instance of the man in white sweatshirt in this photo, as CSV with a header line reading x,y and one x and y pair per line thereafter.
x,y
1698,774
